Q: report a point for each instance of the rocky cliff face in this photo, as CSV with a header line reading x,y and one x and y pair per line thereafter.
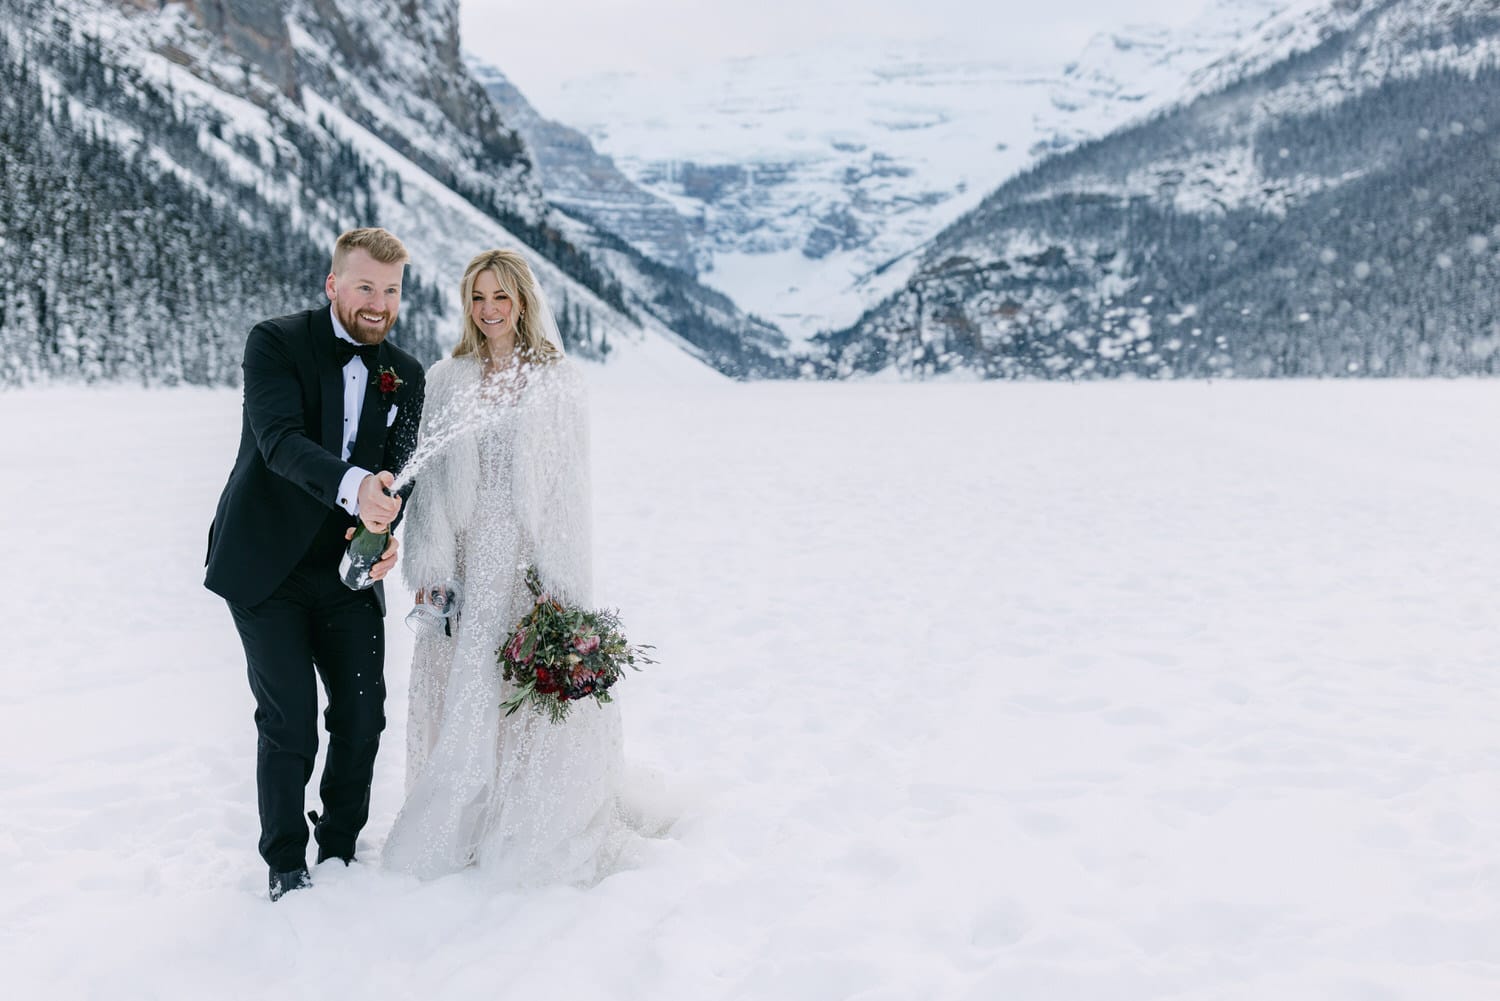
x,y
587,184
255,30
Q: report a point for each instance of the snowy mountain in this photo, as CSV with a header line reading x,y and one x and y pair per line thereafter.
x,y
180,162
1318,198
808,178
587,184
1332,210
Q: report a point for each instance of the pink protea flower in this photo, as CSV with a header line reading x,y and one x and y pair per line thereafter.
x,y
586,644
513,648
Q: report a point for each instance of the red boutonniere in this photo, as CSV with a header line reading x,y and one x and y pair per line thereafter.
x,y
390,382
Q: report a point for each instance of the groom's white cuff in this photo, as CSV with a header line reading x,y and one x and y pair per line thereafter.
x,y
349,489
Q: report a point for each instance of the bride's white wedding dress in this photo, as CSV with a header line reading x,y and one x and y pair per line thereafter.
x,y
526,800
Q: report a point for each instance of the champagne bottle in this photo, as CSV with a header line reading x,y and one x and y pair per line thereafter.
x,y
363,553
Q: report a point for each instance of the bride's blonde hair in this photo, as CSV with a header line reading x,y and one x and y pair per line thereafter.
x,y
516,280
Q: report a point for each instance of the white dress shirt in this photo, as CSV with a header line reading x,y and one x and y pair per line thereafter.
x,y
356,376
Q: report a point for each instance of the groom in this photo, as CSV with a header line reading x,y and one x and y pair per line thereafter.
x,y
327,401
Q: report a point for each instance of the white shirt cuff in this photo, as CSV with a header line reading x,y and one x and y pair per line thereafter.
x,y
349,489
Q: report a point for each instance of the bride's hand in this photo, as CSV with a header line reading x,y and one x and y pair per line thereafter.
x,y
422,596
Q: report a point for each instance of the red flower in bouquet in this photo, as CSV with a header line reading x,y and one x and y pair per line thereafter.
x,y
559,654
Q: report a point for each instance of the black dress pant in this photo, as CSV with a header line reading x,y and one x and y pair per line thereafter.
x,y
312,622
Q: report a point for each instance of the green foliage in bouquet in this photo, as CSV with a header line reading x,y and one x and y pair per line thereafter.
x,y
560,654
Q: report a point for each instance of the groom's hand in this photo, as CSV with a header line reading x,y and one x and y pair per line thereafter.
x,y
377,509
387,560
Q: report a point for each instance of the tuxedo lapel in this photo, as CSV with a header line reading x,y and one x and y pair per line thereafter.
x,y
369,441
330,382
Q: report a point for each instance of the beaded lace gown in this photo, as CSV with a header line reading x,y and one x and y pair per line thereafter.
x,y
526,800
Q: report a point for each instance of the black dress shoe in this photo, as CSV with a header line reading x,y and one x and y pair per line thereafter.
x,y
324,852
283,883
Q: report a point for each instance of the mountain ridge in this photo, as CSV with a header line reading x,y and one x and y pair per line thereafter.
x,y
1249,231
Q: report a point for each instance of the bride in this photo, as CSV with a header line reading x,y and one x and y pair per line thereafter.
x,y
505,485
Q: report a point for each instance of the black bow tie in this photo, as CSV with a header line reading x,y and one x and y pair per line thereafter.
x,y
345,351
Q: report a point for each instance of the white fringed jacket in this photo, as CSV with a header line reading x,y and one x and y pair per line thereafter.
x,y
550,475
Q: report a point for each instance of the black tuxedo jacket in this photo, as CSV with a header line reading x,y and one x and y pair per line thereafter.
x,y
287,473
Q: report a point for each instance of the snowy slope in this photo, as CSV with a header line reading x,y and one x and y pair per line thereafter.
x,y
337,114
333,97
1168,691
1393,41
810,173
1334,212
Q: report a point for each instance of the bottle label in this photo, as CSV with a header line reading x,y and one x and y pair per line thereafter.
x,y
355,572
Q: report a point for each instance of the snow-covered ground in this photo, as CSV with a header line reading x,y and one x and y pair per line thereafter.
x,y
1061,692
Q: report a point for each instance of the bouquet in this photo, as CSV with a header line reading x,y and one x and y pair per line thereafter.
x,y
558,655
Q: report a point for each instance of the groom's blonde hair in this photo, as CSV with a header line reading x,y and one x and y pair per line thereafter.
x,y
380,244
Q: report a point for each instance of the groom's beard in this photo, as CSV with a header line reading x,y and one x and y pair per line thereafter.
x,y
364,331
